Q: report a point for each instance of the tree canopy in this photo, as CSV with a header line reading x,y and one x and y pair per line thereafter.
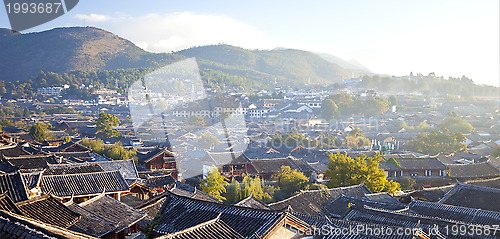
x,y
105,124
346,171
291,181
437,142
214,184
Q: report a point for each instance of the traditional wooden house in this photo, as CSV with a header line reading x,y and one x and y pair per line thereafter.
x,y
158,160
268,169
419,168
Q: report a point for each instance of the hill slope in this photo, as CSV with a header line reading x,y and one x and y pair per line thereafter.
x,y
68,49
283,66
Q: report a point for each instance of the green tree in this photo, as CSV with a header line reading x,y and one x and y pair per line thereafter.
x,y
345,171
233,192
291,181
328,109
438,142
355,139
105,124
37,131
196,120
407,183
393,100
455,124
214,184
253,186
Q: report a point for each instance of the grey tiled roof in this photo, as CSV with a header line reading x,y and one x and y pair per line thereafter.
x,y
313,201
472,196
180,213
14,226
12,183
49,210
113,211
83,184
90,223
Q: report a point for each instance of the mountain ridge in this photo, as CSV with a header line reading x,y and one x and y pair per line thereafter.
x,y
62,50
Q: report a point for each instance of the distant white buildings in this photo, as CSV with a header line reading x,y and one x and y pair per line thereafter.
x,y
55,91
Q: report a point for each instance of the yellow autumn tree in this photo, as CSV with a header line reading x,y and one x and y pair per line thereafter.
x,y
346,171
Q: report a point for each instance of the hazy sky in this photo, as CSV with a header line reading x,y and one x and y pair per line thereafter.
x,y
448,37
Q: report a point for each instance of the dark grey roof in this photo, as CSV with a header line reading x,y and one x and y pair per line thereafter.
x,y
213,229
126,167
29,163
252,202
83,184
31,179
49,210
475,170
455,213
180,213
381,197
90,223
62,169
113,211
341,205
158,181
12,183
131,199
396,219
433,194
186,190
6,204
313,201
466,195
418,164
491,183
15,226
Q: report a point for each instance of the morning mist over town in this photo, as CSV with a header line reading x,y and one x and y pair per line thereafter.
x,y
223,119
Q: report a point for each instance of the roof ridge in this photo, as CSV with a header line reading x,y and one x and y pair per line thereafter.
x,y
103,172
222,205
